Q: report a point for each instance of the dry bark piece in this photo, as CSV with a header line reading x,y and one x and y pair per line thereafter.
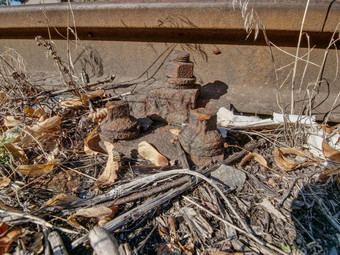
x,y
57,245
266,204
261,160
109,176
103,242
148,152
329,152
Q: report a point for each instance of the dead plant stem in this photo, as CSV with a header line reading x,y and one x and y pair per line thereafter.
x,y
248,234
35,220
292,103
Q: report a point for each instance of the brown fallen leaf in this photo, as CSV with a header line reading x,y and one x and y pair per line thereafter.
x,y
326,128
98,115
148,152
330,152
102,213
17,151
283,162
82,101
329,172
257,157
294,151
4,182
10,122
3,228
59,199
35,170
93,94
7,237
40,130
71,103
34,113
109,176
87,140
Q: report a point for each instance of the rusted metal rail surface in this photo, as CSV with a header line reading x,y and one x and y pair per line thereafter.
x,y
132,39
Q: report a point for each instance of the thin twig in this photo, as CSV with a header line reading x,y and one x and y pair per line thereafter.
x,y
284,198
250,235
292,103
35,220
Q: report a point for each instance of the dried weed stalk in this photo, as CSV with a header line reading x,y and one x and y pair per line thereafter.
x,y
65,70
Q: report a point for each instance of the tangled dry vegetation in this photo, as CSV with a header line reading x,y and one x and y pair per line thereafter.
x,y
56,183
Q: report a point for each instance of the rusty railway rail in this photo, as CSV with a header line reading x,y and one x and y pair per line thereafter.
x,y
133,39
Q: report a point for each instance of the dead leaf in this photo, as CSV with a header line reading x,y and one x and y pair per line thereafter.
x,y
34,113
4,182
10,121
11,135
329,172
71,103
174,131
59,199
91,143
109,176
294,151
93,94
42,130
261,160
17,151
148,152
7,237
3,228
47,124
283,162
82,101
35,170
330,152
102,213
98,115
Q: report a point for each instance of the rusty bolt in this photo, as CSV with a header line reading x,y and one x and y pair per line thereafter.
x,y
119,124
179,69
201,137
